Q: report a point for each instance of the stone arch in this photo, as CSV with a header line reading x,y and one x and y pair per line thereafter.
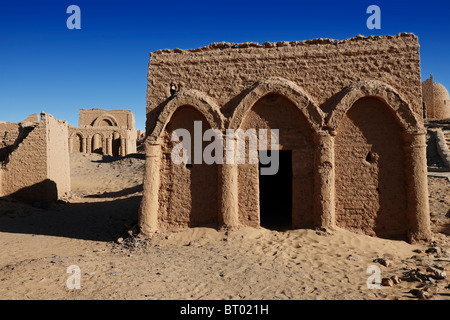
x,y
370,178
76,142
398,106
105,118
277,103
98,143
283,87
196,99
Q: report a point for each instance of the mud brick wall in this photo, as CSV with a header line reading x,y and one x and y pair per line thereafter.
x,y
349,112
322,67
38,169
58,161
436,99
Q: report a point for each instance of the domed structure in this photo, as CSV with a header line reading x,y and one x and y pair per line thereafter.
x,y
436,99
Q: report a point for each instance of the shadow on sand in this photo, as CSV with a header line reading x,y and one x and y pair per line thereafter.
x,y
109,159
96,221
116,194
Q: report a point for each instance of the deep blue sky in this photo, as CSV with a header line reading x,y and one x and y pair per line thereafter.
x,y
46,67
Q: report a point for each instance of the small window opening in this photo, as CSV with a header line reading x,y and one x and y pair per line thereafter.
x,y
369,157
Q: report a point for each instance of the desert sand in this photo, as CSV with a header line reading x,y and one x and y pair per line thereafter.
x,y
89,230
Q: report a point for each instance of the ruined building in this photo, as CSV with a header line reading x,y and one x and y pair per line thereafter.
x,y
351,136
108,132
34,156
436,100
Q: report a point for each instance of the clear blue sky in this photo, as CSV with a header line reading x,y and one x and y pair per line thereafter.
x,y
44,66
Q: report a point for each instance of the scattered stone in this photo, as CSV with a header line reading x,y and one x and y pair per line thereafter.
x,y
395,279
387,282
437,273
434,250
415,275
418,251
120,240
443,259
354,257
383,261
133,231
421,294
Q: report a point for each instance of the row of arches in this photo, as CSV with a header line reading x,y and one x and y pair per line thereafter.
x,y
316,118
359,166
107,144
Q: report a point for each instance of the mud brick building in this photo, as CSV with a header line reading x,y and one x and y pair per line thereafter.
x,y
108,132
351,136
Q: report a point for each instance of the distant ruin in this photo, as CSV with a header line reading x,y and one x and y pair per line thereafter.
x,y
34,157
436,100
352,139
107,132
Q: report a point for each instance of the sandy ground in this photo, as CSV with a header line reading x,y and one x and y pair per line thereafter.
x,y
38,247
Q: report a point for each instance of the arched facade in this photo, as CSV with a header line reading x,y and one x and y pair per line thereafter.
x,y
104,132
344,174
352,148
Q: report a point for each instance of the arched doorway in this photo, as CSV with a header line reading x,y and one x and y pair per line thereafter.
x,y
77,143
97,144
283,200
116,148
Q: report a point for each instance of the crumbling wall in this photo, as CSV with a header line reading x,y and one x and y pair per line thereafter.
x,y
58,161
12,134
38,168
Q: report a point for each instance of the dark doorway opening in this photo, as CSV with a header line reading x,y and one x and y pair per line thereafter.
x,y
275,193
